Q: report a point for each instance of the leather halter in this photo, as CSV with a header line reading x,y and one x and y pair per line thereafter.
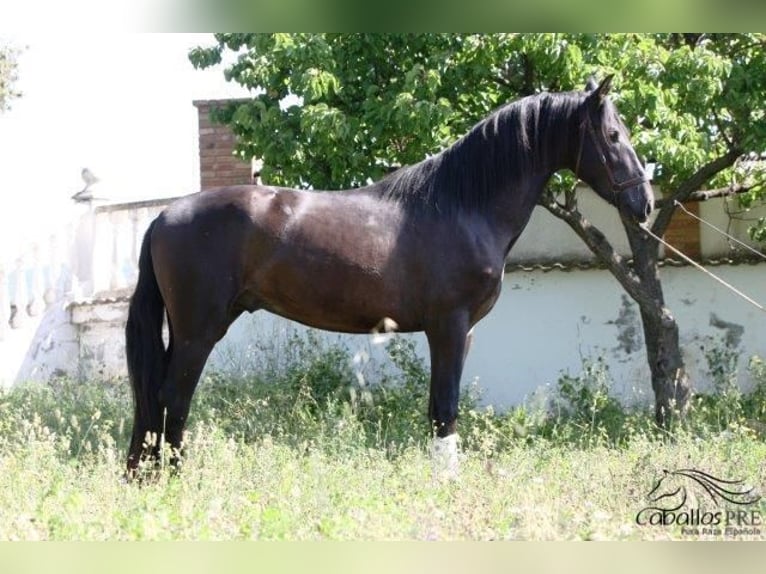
x,y
616,186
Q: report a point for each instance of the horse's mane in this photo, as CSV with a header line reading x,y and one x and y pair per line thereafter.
x,y
504,147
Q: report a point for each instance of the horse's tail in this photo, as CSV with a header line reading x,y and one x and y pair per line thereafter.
x,y
145,349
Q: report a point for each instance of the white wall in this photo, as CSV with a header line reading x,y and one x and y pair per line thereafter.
x,y
545,323
726,215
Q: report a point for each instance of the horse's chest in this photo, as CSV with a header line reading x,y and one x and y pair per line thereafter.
x,y
489,291
474,286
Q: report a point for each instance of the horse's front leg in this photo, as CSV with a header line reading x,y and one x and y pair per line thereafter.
x,y
448,343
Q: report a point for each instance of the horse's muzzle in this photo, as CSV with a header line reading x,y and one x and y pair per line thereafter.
x,y
637,203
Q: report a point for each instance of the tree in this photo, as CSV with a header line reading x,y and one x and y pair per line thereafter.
x,y
8,77
365,103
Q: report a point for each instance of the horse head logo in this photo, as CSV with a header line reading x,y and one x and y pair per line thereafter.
x,y
671,492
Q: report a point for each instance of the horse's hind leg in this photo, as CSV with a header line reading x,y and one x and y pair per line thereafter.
x,y
183,372
190,345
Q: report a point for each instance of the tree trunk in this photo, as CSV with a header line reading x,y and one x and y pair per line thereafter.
x,y
641,281
670,381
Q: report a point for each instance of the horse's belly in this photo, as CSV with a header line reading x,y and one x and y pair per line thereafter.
x,y
334,297
346,320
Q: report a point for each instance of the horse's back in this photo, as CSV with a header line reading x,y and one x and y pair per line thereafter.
x,y
319,258
192,208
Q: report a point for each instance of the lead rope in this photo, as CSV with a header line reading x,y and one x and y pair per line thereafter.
x,y
705,271
721,231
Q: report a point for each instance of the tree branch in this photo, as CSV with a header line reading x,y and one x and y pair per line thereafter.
x,y
717,121
692,184
705,195
600,246
499,80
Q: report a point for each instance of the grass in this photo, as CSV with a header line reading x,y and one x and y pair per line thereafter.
x,y
313,452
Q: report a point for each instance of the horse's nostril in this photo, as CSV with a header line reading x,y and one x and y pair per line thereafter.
x,y
648,209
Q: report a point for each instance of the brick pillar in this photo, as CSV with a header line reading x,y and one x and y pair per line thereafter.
x,y
218,166
684,232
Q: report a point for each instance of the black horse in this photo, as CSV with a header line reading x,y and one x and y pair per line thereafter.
x,y
423,249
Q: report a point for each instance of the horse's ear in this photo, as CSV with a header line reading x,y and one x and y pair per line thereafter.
x,y
597,93
603,88
591,84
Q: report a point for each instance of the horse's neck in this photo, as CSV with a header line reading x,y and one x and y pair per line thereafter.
x,y
512,209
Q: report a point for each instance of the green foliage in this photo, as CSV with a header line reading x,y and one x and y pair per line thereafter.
x,y
361,102
726,407
364,102
754,402
722,362
78,415
587,409
393,410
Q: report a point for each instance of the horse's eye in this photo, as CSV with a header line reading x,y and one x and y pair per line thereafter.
x,y
614,136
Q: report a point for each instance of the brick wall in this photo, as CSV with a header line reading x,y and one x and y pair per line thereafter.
x,y
217,166
684,232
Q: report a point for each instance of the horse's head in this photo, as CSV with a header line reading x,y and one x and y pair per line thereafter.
x,y
605,158
668,493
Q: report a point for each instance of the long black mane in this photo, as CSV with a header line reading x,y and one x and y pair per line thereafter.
x,y
508,145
